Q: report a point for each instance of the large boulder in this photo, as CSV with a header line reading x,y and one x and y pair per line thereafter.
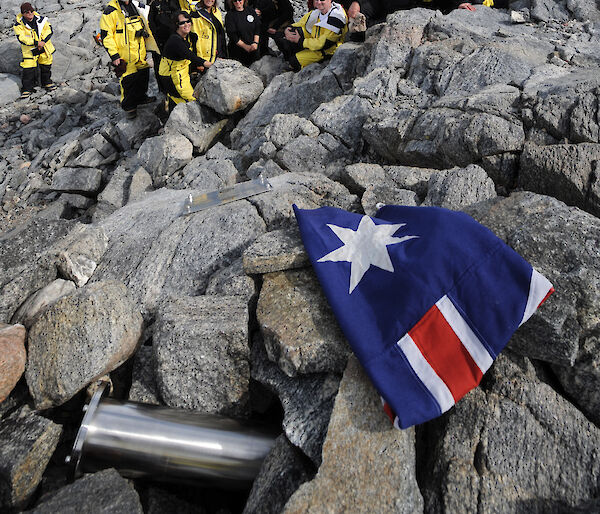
x,y
197,123
12,357
80,338
163,155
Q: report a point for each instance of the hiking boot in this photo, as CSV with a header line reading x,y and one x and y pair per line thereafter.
x,y
25,94
50,87
148,100
131,115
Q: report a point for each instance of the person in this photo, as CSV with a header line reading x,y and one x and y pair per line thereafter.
x,y
243,29
207,23
34,32
274,15
179,54
124,33
160,20
317,35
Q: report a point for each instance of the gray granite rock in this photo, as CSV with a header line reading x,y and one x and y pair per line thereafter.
x,y
282,472
278,250
300,331
376,195
408,177
77,180
228,86
104,492
459,187
163,155
314,155
130,134
201,352
515,445
155,252
27,441
563,243
141,183
79,338
307,401
283,128
359,176
567,172
10,87
306,190
203,174
368,466
143,378
116,192
31,309
232,281
12,357
195,122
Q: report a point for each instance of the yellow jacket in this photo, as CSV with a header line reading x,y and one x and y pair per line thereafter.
x,y
124,37
207,33
177,68
323,32
29,39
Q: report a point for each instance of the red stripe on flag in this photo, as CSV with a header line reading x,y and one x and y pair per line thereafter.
x,y
389,412
444,352
546,297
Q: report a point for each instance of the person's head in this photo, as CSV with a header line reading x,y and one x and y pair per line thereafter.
x,y
207,4
237,5
322,5
27,11
183,23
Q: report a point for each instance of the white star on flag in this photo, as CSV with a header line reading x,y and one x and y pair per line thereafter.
x,y
365,246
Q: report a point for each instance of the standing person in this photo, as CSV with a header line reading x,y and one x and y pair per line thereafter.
x,y
207,23
317,35
179,54
243,29
124,33
160,20
274,15
34,32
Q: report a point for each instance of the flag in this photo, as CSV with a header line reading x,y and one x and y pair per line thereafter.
x,y
426,297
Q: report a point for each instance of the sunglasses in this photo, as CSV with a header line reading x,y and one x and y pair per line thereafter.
x,y
184,22
237,1
27,12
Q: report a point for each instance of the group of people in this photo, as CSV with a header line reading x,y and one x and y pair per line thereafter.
x,y
186,37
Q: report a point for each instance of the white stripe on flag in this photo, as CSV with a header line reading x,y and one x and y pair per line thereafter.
x,y
426,373
463,331
539,287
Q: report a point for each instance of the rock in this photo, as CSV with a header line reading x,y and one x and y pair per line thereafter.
x,y
228,86
220,152
143,378
232,281
360,176
359,446
457,188
76,201
90,158
131,133
27,441
299,329
12,357
9,87
78,268
205,175
141,183
155,253
268,67
282,472
163,155
24,119
278,250
77,180
68,95
195,122
201,353
116,192
482,453
562,243
87,335
343,117
376,195
568,172
283,128
38,302
102,492
306,190
306,400
318,155
27,261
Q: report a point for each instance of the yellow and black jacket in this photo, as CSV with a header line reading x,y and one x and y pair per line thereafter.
x,y
321,34
29,39
211,33
174,71
124,32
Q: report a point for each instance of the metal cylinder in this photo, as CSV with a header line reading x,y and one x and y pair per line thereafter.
x,y
164,443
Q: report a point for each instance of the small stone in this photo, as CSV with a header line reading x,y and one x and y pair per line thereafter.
x,y
278,250
39,301
12,357
24,119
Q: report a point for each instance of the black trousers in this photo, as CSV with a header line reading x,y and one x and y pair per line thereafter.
x,y
135,87
288,49
29,78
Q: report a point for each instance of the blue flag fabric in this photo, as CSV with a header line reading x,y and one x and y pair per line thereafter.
x,y
426,297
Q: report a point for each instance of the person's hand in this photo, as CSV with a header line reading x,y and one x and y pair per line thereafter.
x,y
257,11
253,47
41,44
200,68
353,10
207,64
116,62
291,35
467,6
271,31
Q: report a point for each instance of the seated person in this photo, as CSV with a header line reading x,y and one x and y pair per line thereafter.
x,y
177,58
243,29
274,15
317,35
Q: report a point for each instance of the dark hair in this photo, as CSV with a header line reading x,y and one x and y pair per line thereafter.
x,y
176,16
26,7
230,4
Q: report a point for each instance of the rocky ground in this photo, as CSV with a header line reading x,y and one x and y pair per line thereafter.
x,y
219,311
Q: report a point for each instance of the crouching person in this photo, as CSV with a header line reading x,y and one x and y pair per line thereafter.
x,y
34,32
179,55
316,36
124,32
